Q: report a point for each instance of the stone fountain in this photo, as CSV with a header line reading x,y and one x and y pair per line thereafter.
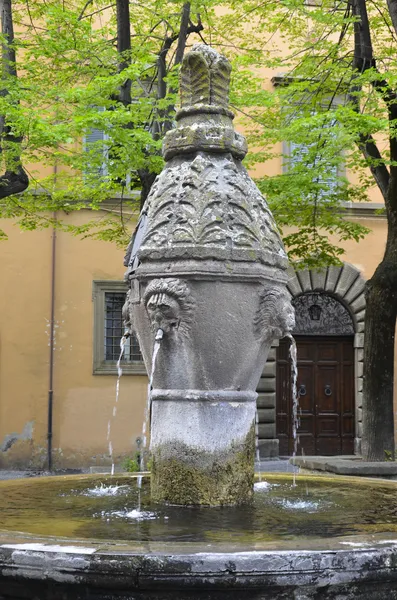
x,y
210,272
207,294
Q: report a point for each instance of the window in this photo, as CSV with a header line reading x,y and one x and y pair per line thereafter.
x,y
109,298
101,156
302,157
97,150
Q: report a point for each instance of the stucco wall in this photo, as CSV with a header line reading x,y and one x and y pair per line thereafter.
x,y
83,402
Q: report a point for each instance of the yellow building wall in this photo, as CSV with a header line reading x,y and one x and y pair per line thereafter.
x,y
83,402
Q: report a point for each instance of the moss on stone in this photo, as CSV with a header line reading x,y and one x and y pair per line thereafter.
x,y
198,478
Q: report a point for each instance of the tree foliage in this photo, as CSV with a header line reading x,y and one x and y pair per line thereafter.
x,y
80,69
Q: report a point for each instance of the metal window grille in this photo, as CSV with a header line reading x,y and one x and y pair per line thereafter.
x,y
114,329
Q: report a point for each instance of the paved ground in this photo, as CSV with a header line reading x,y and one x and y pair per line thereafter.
x,y
269,466
280,466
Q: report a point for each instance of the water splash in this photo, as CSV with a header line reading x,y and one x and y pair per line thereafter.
x,y
123,342
308,506
295,397
257,453
264,486
103,490
134,514
148,411
139,515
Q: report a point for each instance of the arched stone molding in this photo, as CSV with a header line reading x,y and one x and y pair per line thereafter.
x,y
347,285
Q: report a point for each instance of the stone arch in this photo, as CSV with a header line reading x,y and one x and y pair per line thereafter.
x,y
347,285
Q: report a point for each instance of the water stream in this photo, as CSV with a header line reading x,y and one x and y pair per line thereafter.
x,y
295,397
123,342
148,412
257,452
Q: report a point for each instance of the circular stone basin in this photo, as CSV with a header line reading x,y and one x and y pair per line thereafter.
x,y
85,537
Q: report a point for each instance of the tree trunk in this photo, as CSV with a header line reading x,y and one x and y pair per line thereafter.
x,y
378,413
15,179
147,179
124,46
380,323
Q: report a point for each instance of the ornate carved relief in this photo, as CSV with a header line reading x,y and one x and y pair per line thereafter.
x,y
169,305
318,313
275,317
209,201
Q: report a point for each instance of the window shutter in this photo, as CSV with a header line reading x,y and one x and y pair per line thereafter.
x,y
93,136
297,154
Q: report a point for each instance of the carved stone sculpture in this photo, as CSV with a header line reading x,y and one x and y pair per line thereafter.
x,y
210,271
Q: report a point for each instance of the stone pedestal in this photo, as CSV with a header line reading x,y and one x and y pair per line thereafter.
x,y
202,446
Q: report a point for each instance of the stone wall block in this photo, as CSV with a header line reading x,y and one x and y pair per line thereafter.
x,y
267,430
347,279
359,397
270,369
293,284
272,355
266,384
266,400
319,278
358,305
360,317
356,289
332,278
359,340
304,279
267,415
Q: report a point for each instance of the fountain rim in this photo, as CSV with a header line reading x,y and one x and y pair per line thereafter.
x,y
171,566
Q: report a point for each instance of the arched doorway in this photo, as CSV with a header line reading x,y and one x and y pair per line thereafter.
x,y
324,334
346,286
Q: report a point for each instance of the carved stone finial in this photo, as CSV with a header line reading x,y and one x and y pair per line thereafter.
x,y
204,121
205,78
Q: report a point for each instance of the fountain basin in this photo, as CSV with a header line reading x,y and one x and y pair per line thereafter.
x,y
79,538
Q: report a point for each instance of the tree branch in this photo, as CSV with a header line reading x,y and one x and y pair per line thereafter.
x,y
86,5
362,61
392,6
370,151
15,179
185,29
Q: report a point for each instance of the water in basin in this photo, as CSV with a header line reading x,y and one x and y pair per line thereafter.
x,y
105,507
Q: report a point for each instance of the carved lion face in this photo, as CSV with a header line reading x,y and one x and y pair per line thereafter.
x,y
163,311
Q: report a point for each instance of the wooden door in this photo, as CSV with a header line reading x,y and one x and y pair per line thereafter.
x,y
326,396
